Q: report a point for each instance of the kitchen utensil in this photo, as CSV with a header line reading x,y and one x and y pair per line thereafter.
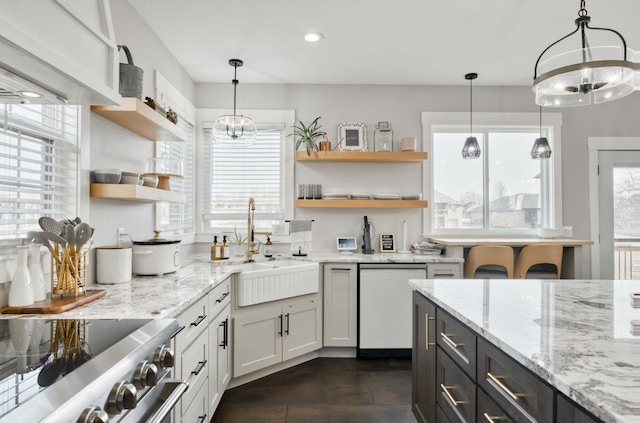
x,y
51,371
50,225
83,234
70,236
54,238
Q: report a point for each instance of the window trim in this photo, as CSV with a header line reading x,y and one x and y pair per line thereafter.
x,y
552,122
264,116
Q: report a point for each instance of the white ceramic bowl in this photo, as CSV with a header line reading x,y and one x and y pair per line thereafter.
x,y
149,181
130,178
107,176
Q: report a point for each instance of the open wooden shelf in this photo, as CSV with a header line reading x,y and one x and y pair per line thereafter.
x,y
374,204
130,192
361,156
136,116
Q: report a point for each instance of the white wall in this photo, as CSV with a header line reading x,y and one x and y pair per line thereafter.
x,y
402,105
112,146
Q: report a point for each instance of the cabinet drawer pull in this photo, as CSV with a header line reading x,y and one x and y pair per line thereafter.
x,y
341,268
426,331
198,320
503,387
198,369
202,419
221,299
449,340
492,419
445,389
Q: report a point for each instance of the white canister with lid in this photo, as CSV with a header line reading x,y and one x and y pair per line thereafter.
x,y
113,264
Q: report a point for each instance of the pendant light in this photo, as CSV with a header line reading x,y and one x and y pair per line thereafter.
x,y
585,75
234,130
471,149
541,148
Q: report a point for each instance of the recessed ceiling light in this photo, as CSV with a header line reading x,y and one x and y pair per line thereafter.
x,y
29,94
313,37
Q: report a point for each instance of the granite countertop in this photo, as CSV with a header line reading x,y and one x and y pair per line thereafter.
x,y
574,334
154,297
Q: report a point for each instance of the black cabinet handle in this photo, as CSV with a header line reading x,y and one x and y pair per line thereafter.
x,y
287,331
202,419
219,300
198,369
198,320
280,317
225,341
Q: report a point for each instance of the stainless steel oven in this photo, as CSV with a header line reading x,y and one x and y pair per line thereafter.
x,y
71,370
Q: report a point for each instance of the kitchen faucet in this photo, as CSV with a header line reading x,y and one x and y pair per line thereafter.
x,y
251,246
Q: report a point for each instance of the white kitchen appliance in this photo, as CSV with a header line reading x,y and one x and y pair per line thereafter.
x,y
384,308
346,244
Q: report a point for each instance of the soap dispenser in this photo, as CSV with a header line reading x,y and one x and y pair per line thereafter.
x,y
268,248
215,249
224,248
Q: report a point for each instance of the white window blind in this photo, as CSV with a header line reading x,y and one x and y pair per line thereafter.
x,y
178,218
232,175
38,166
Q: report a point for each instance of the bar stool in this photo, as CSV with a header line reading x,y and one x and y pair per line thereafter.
x,y
539,254
489,262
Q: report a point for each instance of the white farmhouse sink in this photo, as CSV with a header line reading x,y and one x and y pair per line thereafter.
x,y
274,280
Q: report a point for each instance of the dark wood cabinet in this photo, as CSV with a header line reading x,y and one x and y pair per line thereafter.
x,y
423,390
462,377
567,411
456,391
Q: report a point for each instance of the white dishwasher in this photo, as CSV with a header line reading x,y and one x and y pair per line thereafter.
x,y
384,308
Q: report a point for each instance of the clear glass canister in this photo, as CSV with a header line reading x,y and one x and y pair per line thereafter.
x,y
383,137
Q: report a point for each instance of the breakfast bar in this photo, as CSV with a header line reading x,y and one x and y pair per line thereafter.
x,y
573,252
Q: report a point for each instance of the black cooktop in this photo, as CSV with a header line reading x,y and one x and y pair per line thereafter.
x,y
37,353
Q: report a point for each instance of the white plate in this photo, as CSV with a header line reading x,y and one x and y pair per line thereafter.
x,y
412,197
335,196
386,197
360,196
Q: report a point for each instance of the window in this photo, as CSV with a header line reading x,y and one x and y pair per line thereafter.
x,y
232,175
38,167
504,190
178,218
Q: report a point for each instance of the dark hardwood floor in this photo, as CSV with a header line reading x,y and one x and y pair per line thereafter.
x,y
336,390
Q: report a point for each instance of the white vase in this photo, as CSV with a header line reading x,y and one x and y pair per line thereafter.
x,y
37,278
20,331
21,290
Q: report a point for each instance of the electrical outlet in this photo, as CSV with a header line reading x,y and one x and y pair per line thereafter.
x,y
120,231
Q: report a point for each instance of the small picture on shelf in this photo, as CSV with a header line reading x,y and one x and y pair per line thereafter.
x,y
387,243
352,137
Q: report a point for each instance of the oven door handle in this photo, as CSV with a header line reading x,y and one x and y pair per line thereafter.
x,y
171,394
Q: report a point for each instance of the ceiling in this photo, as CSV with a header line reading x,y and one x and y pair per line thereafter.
x,y
423,42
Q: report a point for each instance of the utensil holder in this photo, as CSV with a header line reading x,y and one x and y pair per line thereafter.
x,y
68,270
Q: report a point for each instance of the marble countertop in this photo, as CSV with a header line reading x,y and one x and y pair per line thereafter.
x,y
154,297
574,334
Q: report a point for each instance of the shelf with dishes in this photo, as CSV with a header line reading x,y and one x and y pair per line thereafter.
x,y
362,203
361,156
134,192
136,116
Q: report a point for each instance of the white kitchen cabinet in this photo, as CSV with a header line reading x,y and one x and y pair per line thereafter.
x,y
219,343
444,271
267,335
340,304
197,412
191,346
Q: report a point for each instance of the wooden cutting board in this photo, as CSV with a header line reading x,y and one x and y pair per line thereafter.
x,y
58,304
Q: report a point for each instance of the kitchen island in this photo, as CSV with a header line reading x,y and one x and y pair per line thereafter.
x,y
579,339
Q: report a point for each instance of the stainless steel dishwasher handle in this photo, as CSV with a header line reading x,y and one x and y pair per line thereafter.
x,y
171,394
394,266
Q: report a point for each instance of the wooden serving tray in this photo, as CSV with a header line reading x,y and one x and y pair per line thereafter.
x,y
58,304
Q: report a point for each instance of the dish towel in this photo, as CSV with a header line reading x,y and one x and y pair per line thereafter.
x,y
300,235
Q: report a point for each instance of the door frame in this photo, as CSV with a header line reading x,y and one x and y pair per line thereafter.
x,y
595,145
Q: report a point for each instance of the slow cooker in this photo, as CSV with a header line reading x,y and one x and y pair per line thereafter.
x,y
156,256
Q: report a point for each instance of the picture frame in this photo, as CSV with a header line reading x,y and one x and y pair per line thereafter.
x,y
387,243
352,137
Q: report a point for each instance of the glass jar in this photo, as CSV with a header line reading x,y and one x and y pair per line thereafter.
x,y
383,137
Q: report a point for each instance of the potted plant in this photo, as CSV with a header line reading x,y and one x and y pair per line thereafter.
x,y
237,241
308,134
